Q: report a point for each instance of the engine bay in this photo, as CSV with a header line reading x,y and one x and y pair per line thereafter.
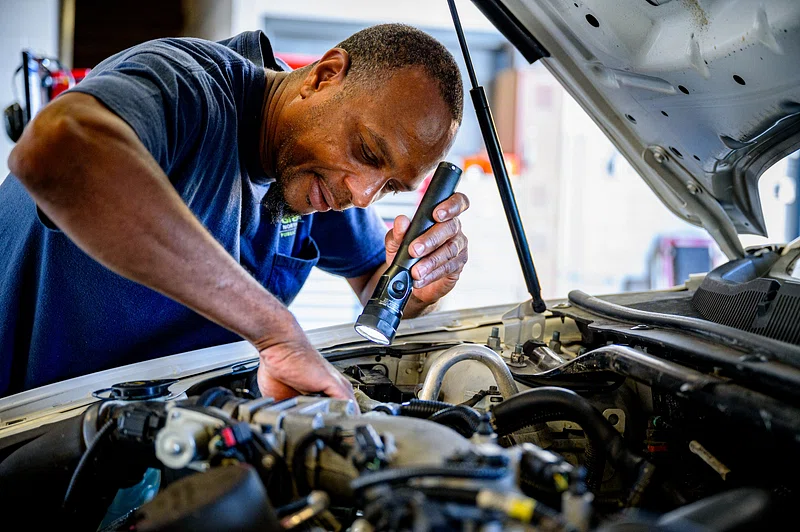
x,y
566,422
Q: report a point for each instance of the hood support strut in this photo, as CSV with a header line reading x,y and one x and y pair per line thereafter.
x,y
495,153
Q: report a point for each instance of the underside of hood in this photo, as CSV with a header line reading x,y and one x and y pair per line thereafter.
x,y
701,96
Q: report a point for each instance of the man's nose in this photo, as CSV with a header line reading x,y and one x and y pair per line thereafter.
x,y
364,188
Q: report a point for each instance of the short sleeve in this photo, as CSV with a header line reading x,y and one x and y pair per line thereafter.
x,y
351,242
160,96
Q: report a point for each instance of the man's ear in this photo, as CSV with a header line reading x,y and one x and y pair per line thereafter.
x,y
330,70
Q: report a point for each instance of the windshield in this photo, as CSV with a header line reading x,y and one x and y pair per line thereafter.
x,y
778,189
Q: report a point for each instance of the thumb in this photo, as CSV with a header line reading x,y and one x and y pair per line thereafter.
x,y
395,237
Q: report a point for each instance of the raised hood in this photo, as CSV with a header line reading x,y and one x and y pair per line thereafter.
x,y
701,96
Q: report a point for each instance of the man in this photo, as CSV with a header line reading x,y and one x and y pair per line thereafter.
x,y
178,197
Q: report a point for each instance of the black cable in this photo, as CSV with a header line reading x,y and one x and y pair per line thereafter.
x,y
292,507
268,448
421,408
88,454
328,436
389,476
281,469
462,419
298,463
475,399
393,351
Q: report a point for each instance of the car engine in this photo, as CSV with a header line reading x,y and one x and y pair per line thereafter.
x,y
578,419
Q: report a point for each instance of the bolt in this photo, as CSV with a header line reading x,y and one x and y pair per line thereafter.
x,y
174,446
268,461
692,188
613,419
659,157
493,342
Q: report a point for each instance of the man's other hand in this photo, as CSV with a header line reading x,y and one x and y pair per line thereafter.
x,y
443,249
293,367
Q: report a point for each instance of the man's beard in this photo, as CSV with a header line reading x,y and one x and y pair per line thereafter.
x,y
275,202
275,199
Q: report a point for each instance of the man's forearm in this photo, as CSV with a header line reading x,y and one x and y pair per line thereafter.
x,y
416,308
87,171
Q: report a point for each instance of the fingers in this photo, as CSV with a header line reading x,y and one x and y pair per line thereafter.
x,y
271,387
450,269
341,389
451,207
434,237
450,250
395,237
448,225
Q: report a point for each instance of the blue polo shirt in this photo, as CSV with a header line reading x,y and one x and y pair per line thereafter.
x,y
196,106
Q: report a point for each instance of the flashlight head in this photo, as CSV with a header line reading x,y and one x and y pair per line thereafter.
x,y
381,316
377,324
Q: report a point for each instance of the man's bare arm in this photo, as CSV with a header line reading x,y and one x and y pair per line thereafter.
x,y
90,174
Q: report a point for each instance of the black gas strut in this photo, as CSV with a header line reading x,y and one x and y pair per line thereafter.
x,y
495,152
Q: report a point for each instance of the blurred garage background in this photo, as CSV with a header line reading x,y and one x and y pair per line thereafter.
x,y
592,223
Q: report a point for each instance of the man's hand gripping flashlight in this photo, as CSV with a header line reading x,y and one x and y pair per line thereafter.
x,y
381,316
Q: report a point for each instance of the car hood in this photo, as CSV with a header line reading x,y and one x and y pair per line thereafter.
x,y
701,96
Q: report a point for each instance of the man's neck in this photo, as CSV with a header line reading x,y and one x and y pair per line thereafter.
x,y
277,94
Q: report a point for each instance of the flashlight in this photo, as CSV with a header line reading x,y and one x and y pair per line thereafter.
x,y
381,316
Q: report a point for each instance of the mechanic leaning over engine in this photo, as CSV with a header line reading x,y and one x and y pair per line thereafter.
x,y
186,188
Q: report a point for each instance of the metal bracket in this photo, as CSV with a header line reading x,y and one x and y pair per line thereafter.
x,y
521,324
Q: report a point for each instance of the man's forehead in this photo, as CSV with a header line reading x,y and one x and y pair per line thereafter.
x,y
409,122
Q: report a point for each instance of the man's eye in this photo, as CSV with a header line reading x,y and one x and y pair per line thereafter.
x,y
391,187
369,157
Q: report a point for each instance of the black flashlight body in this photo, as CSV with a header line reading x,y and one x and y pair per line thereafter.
x,y
382,314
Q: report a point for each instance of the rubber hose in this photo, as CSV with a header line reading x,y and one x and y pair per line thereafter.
x,y
216,396
422,409
595,461
462,419
525,409
88,455
475,399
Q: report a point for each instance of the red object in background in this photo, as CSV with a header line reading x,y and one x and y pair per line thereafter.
x,y
61,81
481,160
296,61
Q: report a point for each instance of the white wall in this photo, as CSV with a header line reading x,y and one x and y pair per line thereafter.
x,y
427,13
23,24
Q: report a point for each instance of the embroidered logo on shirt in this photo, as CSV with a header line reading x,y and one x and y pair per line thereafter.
x,y
289,225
